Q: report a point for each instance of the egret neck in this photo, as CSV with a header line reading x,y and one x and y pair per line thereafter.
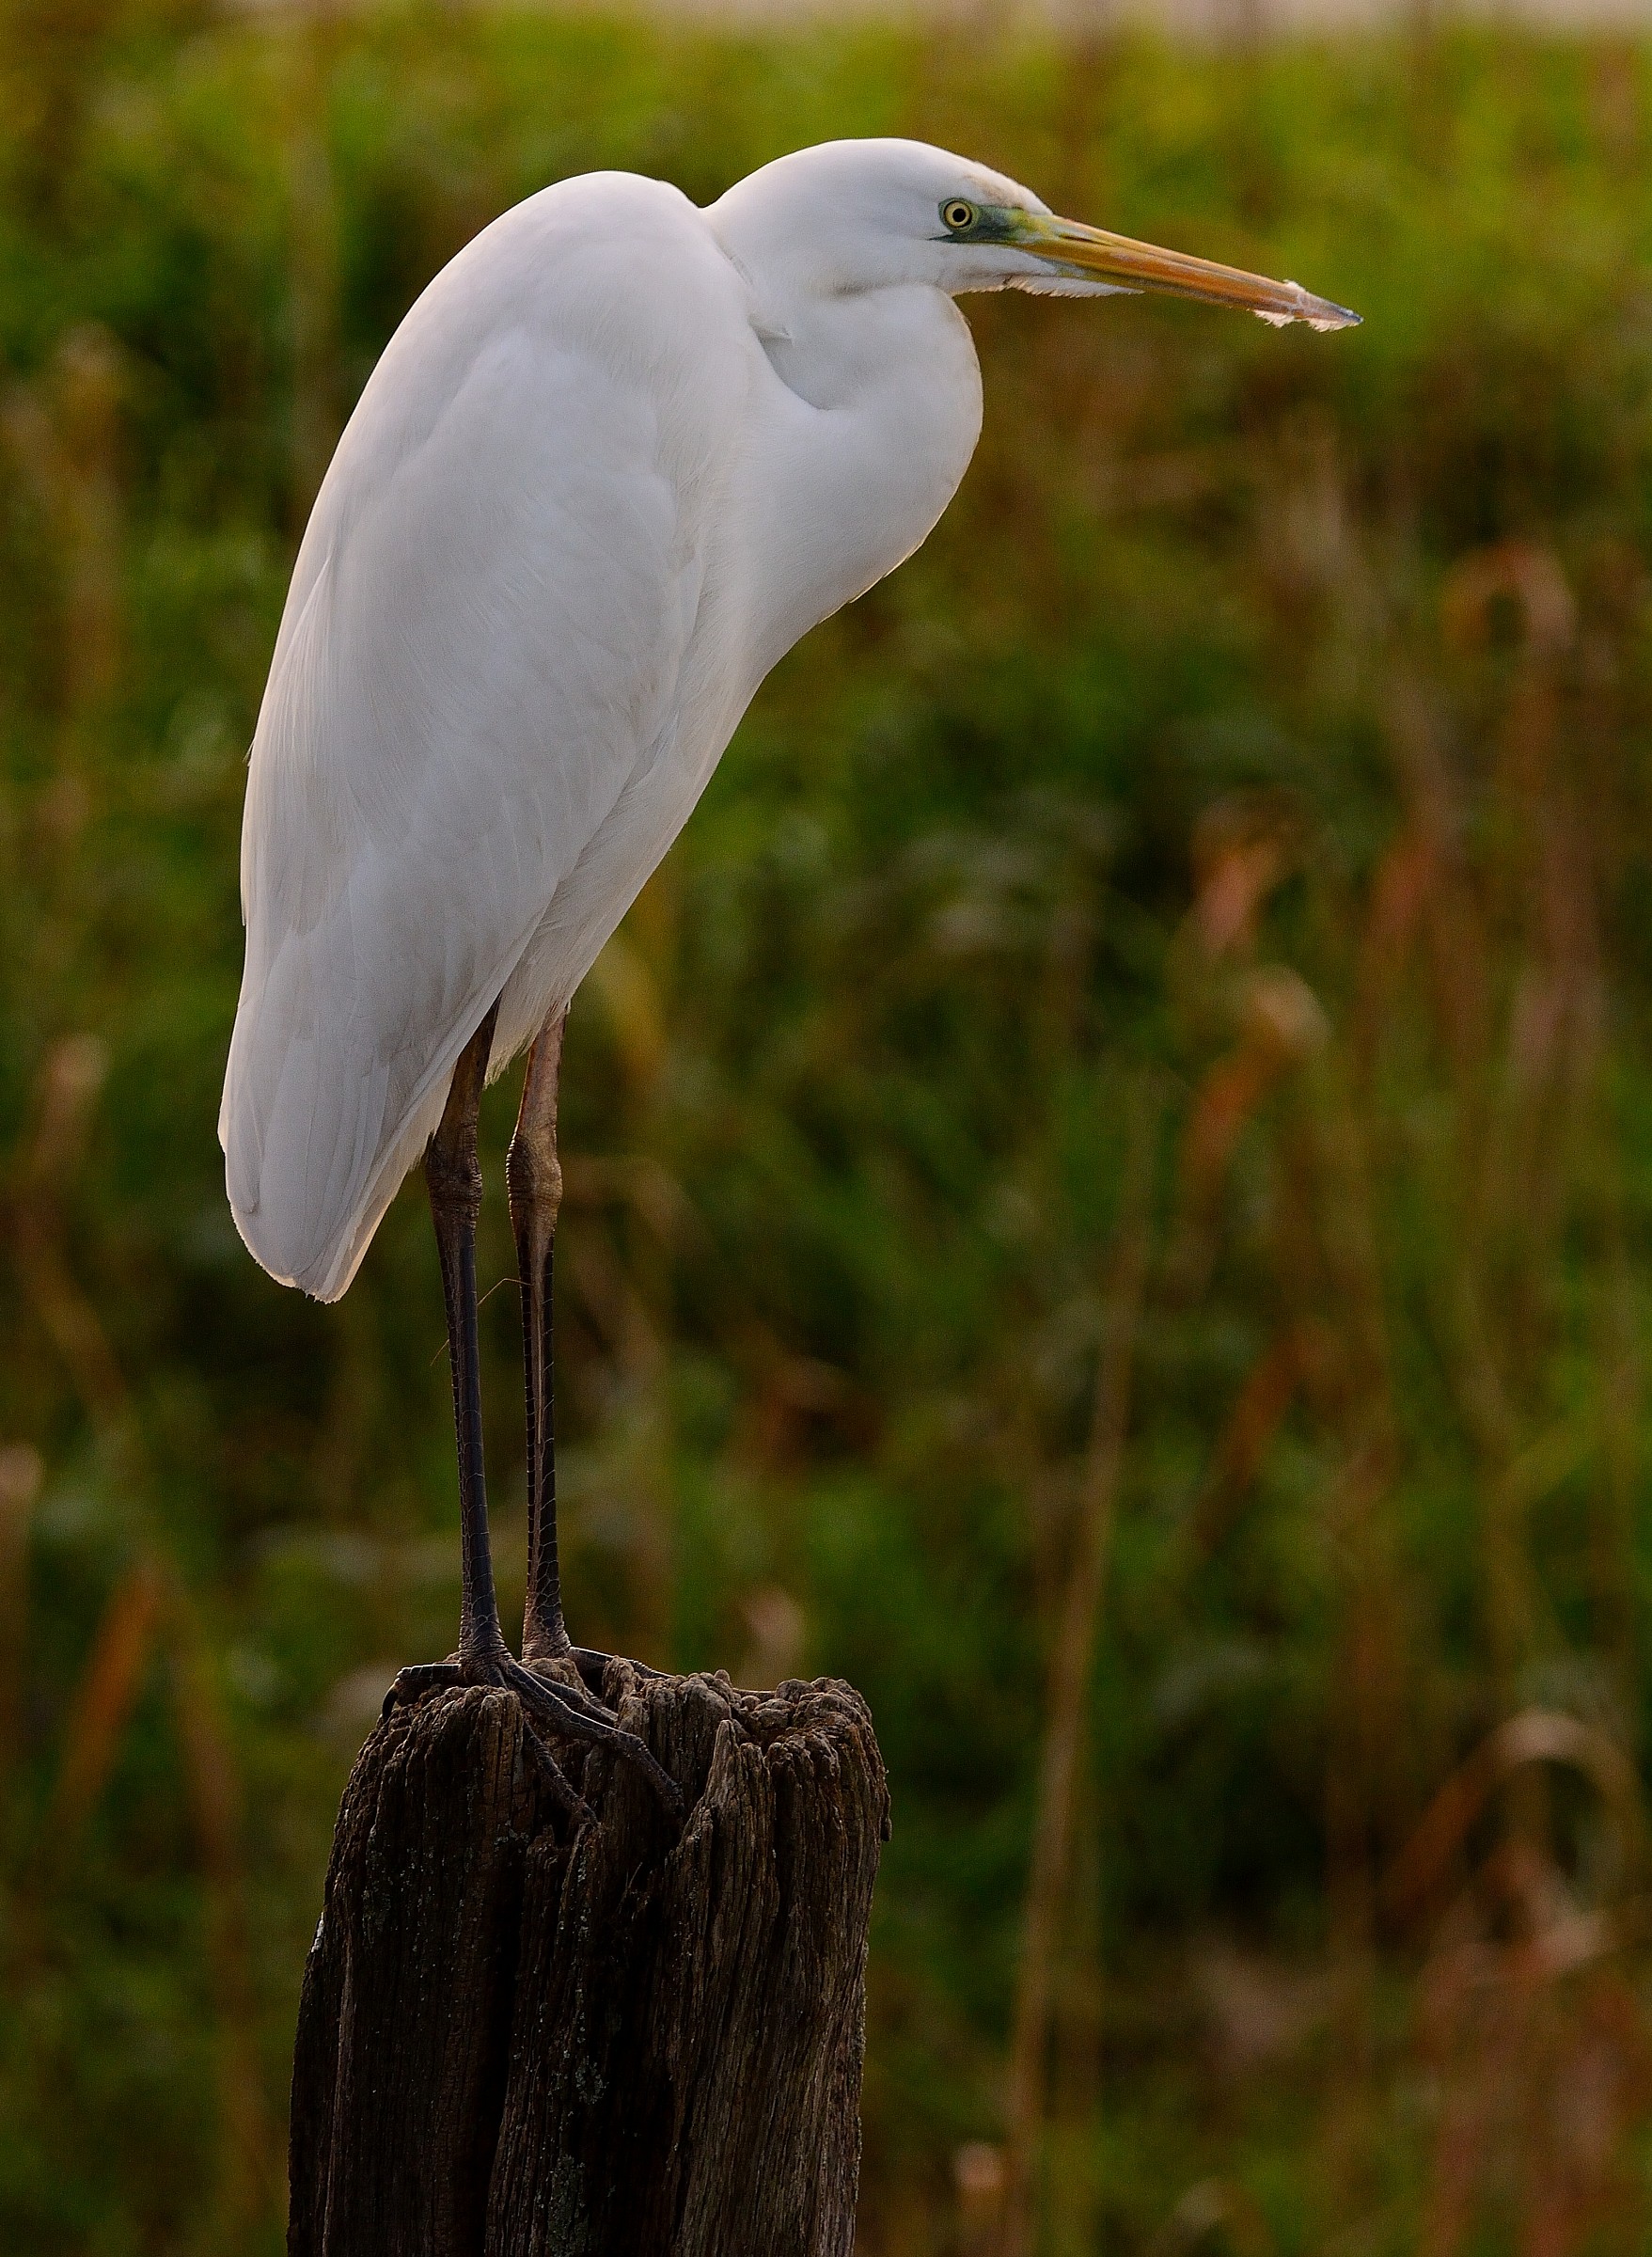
x,y
859,440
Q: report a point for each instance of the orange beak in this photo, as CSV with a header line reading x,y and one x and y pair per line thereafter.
x,y
1081,250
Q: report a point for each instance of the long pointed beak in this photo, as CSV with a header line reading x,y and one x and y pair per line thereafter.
x,y
1069,243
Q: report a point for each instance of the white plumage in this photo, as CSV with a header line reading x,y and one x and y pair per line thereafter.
x,y
620,455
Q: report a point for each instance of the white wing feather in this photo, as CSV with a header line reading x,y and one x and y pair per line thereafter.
x,y
480,650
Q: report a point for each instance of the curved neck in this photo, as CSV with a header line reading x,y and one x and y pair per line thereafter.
x,y
859,442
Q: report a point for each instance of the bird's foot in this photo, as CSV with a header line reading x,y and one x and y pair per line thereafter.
x,y
420,1678
412,1683
557,1707
570,1710
588,1662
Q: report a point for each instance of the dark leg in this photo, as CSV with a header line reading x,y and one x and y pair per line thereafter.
x,y
534,1175
454,1177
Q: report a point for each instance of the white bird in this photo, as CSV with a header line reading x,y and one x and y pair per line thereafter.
x,y
619,456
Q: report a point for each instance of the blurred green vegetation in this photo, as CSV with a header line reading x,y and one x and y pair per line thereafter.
x,y
1258,754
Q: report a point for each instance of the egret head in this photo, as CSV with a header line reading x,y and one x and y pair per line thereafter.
x,y
855,215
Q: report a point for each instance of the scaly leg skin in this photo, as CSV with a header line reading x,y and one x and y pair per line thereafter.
x,y
534,1175
454,1178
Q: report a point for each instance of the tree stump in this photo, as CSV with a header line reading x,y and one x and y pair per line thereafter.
x,y
628,2037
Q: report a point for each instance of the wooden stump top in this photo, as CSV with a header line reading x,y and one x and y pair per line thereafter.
x,y
531,2038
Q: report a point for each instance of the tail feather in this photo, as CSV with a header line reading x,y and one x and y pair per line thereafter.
x,y
317,1137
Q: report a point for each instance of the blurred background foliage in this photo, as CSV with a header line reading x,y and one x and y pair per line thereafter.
x,y
1110,1171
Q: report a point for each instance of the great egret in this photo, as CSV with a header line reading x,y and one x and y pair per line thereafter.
x,y
620,454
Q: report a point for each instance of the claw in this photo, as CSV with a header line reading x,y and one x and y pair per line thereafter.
x,y
418,1678
582,1695
568,1713
591,1665
565,1711
552,1775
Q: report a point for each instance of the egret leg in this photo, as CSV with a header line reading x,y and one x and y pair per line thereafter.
x,y
453,1175
534,1175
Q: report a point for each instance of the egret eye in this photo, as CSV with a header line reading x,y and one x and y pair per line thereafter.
x,y
958,215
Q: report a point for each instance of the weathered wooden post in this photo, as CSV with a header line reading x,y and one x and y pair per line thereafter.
x,y
525,2037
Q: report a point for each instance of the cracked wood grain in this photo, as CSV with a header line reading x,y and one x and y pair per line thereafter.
x,y
520,2038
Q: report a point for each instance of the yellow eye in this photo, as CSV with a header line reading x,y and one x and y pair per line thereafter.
x,y
958,215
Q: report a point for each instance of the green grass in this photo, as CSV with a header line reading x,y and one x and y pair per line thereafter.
x,y
1265,728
